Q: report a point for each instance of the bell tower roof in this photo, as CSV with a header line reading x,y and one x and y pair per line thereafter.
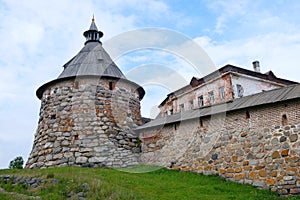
x,y
92,60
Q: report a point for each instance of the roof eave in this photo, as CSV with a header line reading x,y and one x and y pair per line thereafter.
x,y
41,89
288,93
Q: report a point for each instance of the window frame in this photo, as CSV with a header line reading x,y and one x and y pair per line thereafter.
x,y
239,90
200,103
222,92
211,97
191,104
181,107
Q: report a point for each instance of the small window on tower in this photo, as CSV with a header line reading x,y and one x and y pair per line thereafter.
x,y
76,85
247,115
284,120
111,85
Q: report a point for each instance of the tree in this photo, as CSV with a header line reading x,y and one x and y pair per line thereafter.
x,y
16,163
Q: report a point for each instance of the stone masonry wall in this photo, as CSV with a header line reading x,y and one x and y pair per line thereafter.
x,y
87,122
257,146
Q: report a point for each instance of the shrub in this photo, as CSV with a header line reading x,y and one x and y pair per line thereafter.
x,y
50,175
16,163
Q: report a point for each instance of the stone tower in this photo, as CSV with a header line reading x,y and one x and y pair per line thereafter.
x,y
87,113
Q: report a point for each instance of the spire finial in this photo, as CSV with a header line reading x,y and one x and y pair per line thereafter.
x,y
93,35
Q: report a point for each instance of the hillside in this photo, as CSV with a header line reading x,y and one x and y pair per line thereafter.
x,y
101,183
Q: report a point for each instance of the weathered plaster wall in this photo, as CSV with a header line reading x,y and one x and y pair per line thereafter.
x,y
251,85
260,150
229,81
192,94
84,122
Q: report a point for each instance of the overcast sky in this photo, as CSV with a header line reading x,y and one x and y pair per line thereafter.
x,y
38,37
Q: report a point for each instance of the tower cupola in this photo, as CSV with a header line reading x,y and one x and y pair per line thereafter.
x,y
93,35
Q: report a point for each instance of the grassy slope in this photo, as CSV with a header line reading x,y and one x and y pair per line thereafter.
x,y
113,184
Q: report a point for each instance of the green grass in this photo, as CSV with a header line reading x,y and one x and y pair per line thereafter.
x,y
114,184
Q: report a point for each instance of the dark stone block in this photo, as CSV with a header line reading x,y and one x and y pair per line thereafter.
x,y
250,156
103,165
214,156
34,185
92,164
85,165
282,139
60,108
98,102
285,146
286,133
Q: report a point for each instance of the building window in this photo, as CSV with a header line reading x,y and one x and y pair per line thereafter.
x,y
201,123
191,104
111,85
200,101
211,97
222,92
284,120
181,107
239,90
247,115
171,112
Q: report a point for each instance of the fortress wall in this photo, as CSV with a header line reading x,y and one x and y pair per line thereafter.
x,y
263,150
83,122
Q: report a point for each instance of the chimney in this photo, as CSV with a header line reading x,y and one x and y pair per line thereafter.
x,y
256,66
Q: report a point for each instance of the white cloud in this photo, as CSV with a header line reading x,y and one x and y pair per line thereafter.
x,y
276,51
150,9
228,10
